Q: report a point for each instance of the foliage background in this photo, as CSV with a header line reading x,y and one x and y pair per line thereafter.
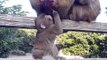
x,y
12,38
89,45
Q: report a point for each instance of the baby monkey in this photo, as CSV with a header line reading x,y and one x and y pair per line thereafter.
x,y
46,34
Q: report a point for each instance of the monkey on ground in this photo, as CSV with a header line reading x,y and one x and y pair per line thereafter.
x,y
46,34
78,10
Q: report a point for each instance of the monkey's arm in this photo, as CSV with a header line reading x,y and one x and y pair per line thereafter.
x,y
57,23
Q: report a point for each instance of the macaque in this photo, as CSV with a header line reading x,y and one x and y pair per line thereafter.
x,y
85,10
77,10
47,6
46,34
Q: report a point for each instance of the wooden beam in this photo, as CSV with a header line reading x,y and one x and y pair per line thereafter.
x,y
68,25
84,26
16,21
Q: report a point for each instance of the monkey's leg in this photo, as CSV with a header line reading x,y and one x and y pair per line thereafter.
x,y
37,53
54,51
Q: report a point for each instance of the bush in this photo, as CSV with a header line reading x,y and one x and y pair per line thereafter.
x,y
8,39
27,38
15,39
81,43
5,47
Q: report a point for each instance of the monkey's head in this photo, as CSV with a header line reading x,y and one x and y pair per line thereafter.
x,y
43,6
50,3
44,3
44,21
47,6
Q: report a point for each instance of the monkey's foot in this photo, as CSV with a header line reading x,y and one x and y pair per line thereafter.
x,y
38,59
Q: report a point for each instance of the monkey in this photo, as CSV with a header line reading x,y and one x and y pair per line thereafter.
x,y
46,34
47,6
85,10
77,10
42,6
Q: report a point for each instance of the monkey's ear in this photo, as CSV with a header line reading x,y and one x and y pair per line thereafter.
x,y
42,26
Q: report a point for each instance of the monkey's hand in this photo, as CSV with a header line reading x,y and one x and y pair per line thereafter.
x,y
55,13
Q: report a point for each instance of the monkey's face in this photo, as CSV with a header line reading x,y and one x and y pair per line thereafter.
x,y
44,21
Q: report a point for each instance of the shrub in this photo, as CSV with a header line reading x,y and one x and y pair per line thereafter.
x,y
81,43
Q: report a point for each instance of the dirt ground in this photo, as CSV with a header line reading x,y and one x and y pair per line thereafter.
x,y
13,57
29,57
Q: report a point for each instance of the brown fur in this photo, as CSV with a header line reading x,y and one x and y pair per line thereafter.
x,y
78,10
85,11
61,6
46,34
